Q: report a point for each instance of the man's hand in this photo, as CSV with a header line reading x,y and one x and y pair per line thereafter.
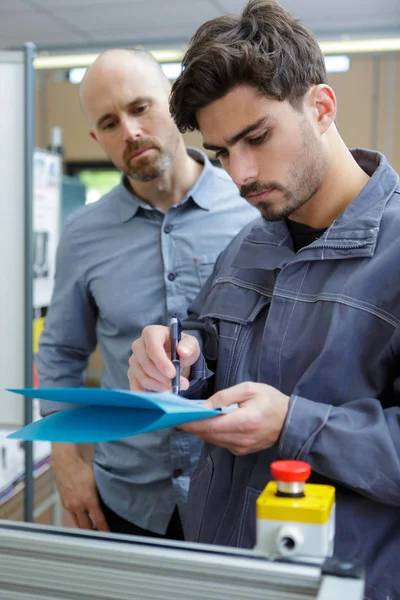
x,y
150,366
77,486
254,426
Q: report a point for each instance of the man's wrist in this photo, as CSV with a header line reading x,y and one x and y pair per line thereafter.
x,y
283,414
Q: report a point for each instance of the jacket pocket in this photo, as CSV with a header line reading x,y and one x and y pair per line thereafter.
x,y
233,306
246,537
235,301
198,493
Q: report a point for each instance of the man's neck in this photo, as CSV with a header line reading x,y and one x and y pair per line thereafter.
x,y
343,181
171,187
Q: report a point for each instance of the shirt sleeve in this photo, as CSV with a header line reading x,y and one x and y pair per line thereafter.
x,y
357,444
69,334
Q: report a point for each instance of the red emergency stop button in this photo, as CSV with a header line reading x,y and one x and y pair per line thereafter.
x,y
290,471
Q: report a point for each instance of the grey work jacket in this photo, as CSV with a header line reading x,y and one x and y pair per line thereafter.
x,y
322,326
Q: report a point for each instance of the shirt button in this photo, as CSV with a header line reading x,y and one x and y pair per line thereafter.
x,y
171,276
167,228
177,473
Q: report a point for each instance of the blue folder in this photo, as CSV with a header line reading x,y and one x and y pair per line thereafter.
x,y
104,415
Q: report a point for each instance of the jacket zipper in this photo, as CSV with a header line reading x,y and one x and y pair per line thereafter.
x,y
336,246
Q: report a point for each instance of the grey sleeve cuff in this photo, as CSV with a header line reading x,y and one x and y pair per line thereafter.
x,y
47,407
200,379
304,421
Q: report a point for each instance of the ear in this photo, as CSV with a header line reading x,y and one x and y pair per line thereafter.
x,y
93,136
322,101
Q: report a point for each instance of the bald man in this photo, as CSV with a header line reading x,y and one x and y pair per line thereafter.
x,y
135,257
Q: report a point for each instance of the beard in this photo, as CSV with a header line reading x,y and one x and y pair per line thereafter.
x,y
149,167
305,175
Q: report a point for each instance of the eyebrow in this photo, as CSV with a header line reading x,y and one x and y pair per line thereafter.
x,y
107,116
240,135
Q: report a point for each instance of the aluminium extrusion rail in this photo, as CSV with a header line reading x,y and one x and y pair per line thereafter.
x,y
49,563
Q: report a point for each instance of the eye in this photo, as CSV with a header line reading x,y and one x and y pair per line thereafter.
x,y
221,153
258,140
109,125
140,109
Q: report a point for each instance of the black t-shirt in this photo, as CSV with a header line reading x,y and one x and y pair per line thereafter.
x,y
303,235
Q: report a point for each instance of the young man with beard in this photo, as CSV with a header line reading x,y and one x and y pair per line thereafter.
x,y
301,318
137,256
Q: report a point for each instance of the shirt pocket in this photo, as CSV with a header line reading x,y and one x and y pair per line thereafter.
x,y
192,272
204,265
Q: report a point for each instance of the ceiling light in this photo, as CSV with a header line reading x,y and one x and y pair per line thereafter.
x,y
356,46
68,61
64,61
172,70
76,74
337,63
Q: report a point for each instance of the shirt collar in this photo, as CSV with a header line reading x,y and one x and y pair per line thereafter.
x,y
200,193
129,203
204,188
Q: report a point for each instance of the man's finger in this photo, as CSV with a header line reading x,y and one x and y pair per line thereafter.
x,y
184,383
134,384
99,520
139,381
82,519
156,340
229,424
141,362
233,395
74,518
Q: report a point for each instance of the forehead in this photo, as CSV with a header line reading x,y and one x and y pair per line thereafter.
x,y
240,107
112,86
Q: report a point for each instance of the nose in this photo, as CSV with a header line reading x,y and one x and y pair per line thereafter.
x,y
130,129
243,168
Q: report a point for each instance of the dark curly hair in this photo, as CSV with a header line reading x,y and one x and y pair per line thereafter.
x,y
265,47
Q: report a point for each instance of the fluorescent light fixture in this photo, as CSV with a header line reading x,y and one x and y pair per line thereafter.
x,y
357,46
172,70
76,74
168,56
64,61
68,61
338,63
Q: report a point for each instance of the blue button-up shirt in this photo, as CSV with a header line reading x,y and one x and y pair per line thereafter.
x,y
122,265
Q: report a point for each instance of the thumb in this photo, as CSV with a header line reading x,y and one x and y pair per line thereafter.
x,y
188,350
232,395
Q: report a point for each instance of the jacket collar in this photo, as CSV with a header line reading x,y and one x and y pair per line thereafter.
x,y
353,234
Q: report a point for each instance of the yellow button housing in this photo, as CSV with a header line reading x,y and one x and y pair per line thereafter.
x,y
315,507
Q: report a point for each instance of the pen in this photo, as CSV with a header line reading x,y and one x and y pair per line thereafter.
x,y
176,329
